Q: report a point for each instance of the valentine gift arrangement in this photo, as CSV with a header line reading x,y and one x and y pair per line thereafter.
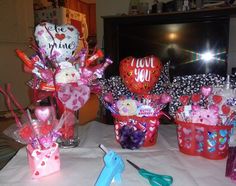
x,y
39,133
205,120
136,100
62,74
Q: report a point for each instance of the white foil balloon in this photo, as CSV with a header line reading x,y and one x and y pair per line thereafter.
x,y
58,43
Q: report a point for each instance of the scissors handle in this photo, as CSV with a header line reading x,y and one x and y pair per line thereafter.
x,y
156,179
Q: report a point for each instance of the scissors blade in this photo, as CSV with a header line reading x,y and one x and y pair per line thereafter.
x,y
134,165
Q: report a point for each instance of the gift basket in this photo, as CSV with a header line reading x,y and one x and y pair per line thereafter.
x,y
64,77
62,74
204,122
39,133
136,99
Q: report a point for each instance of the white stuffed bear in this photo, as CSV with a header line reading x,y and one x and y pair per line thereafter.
x,y
67,74
127,107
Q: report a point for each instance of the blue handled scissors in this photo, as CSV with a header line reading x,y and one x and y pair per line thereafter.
x,y
154,179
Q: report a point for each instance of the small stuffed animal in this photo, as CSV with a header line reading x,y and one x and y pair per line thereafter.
x,y
207,116
67,75
127,107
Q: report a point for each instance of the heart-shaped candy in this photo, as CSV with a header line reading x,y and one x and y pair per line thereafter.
x,y
196,98
206,90
42,113
72,97
217,99
184,99
225,109
140,74
58,43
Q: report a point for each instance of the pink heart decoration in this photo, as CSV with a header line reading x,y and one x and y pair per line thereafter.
x,y
206,91
72,97
165,98
108,97
42,113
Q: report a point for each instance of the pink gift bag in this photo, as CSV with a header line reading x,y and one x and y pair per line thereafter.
x,y
43,162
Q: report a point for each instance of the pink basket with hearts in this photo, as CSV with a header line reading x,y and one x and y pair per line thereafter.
x,y
43,162
148,125
198,139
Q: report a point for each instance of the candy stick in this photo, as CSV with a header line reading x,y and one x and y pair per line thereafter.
x,y
29,116
101,146
31,122
61,122
8,101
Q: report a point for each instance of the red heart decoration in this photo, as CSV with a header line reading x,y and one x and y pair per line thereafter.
x,y
196,98
217,99
36,173
140,74
43,163
60,36
225,109
184,99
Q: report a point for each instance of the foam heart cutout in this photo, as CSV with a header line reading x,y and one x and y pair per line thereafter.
x,y
140,74
73,98
58,43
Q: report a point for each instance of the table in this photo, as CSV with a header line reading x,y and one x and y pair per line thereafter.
x,y
81,166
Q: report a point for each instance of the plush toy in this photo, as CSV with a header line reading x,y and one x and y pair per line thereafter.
x,y
67,75
127,107
207,116
70,92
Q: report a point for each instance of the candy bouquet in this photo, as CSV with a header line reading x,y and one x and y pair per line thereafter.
x,y
62,74
40,133
204,122
136,100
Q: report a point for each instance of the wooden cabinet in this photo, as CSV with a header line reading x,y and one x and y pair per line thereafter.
x,y
140,35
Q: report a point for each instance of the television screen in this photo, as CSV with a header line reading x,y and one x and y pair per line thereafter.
x,y
191,47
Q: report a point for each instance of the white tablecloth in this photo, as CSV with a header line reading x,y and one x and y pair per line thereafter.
x,y
81,166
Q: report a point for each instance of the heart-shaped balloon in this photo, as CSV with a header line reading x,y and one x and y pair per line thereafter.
x,y
72,97
206,91
42,113
58,43
140,74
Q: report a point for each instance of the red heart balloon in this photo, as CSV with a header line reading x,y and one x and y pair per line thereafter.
x,y
140,74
